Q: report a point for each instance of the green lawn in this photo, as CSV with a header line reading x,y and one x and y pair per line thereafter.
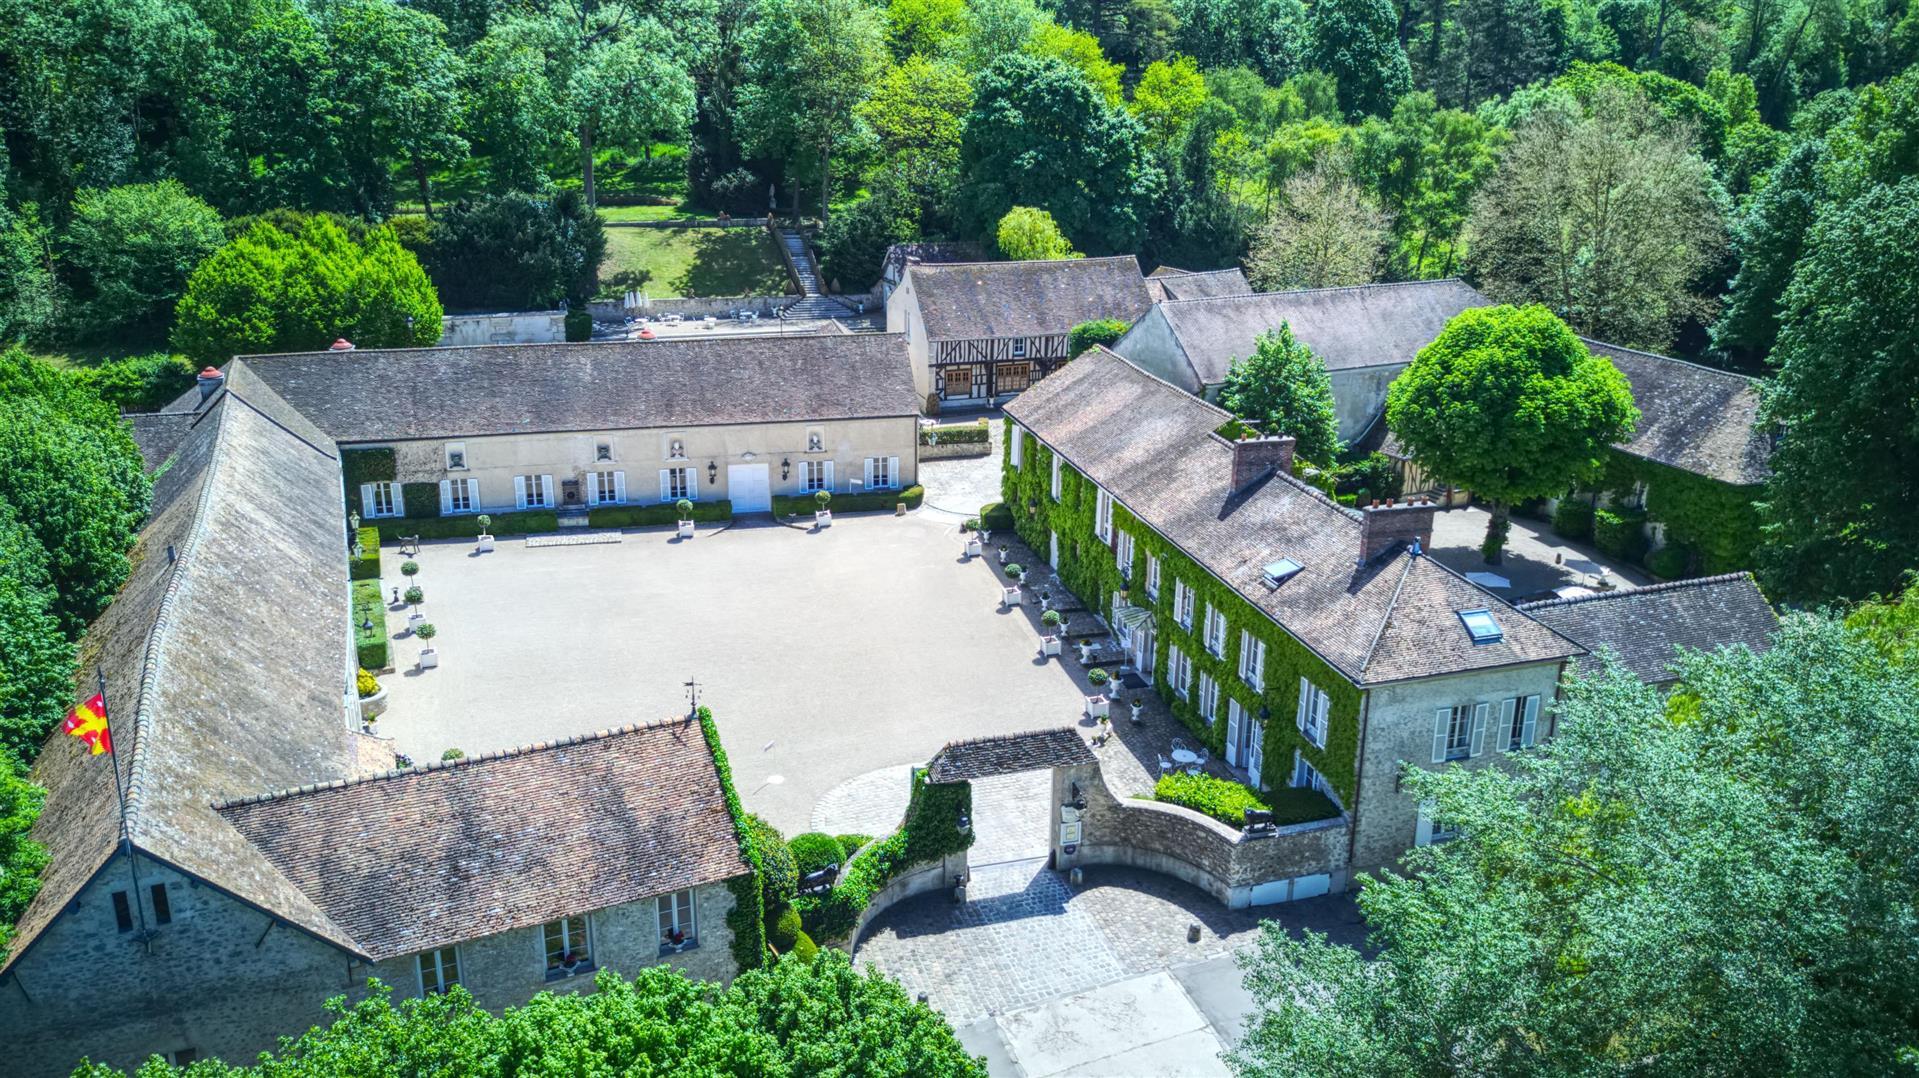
x,y
647,213
691,262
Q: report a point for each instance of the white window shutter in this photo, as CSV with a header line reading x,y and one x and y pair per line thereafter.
x,y
619,487
473,502
893,472
828,480
666,484
1256,753
869,473
399,500
446,496
592,488
519,492
546,491
1232,732
366,500
1322,704
1532,722
1305,701
692,485
1480,714
1441,720
1508,711
1017,445
1423,831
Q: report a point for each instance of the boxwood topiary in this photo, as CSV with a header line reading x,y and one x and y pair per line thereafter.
x,y
815,850
851,843
780,879
781,931
804,949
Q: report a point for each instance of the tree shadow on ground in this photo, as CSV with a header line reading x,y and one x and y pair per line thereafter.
x,y
732,262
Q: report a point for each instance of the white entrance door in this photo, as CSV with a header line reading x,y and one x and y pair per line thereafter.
x,y
1142,651
749,488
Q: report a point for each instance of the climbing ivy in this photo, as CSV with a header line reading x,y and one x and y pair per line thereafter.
x,y
365,466
1088,569
1719,520
749,927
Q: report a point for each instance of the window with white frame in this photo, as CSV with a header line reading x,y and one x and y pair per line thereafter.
x,y
1208,698
456,456
1431,828
1016,450
676,920
1055,488
1183,604
1019,348
1179,672
1519,718
1314,706
1307,777
816,475
532,491
459,495
609,488
1458,732
382,500
1152,577
569,948
882,473
1252,660
439,970
1103,516
1123,554
1215,631
677,483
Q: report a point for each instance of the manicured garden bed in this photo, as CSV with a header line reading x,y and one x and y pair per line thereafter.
x,y
871,501
646,516
1227,801
370,642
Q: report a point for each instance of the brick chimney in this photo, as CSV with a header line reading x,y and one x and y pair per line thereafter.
x,y
1390,525
1254,458
210,381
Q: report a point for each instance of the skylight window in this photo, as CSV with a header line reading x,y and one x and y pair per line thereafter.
x,y
1481,626
1281,571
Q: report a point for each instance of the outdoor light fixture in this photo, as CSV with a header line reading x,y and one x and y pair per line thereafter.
x,y
1077,803
965,824
786,466
712,472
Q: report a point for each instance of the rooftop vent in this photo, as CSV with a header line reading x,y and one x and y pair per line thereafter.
x,y
1481,626
1281,571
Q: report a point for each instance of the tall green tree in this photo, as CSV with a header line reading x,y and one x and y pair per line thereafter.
x,y
21,858
1631,898
1425,164
1767,241
1509,404
917,113
1039,135
811,64
518,253
1283,388
36,657
396,100
1026,234
1357,43
1326,232
1838,509
129,251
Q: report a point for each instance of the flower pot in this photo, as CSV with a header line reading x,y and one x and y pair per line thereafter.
x,y
823,518
1002,555
1049,645
484,544
972,548
686,529
429,658
1097,707
371,707
1138,710
415,620
1009,596
1085,653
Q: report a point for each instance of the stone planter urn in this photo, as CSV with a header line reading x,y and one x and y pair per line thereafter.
x,y
484,544
823,518
1085,652
1049,645
686,529
1098,707
1010,596
429,658
372,707
1139,708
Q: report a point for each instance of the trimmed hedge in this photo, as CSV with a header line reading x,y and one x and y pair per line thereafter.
x,y
745,918
647,516
371,644
995,517
956,434
1621,532
853,843
1573,518
1227,801
871,501
815,850
531,522
784,930
804,949
929,832
367,565
421,499
1295,804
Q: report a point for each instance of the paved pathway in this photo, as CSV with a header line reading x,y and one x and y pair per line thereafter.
x,y
1009,811
958,486
1535,559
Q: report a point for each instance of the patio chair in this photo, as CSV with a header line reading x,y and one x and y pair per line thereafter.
x,y
1178,745
1198,767
1165,765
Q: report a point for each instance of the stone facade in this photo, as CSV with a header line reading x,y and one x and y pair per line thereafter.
x,y
223,979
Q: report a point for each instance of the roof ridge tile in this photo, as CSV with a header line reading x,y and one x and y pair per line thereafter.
x,y
1627,593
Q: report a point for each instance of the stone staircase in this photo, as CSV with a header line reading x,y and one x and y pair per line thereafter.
x,y
813,302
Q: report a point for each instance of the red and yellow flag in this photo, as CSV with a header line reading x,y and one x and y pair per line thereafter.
x,y
88,722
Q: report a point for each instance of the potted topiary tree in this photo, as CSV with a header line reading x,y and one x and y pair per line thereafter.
x,y
485,542
1049,643
1010,595
685,509
1098,705
414,597
822,517
410,569
429,657
973,544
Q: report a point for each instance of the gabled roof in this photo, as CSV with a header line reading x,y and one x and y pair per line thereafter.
x,y
901,255
1007,754
380,395
452,851
226,655
1348,328
1642,626
1152,446
1168,282
159,434
967,300
1693,418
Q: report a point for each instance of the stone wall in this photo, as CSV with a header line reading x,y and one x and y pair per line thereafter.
x,y
923,878
510,327
691,307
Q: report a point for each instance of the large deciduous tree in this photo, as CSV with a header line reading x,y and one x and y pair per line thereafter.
x,y
1509,404
36,658
1283,388
517,253
1326,232
1609,218
130,249
1357,43
1039,135
21,859
1839,509
1632,896
811,63
917,113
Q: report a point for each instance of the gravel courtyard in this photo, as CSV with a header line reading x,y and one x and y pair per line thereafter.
x,y
824,655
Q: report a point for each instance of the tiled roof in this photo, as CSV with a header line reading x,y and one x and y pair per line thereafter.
x,y
1008,754
1693,418
1167,283
375,395
159,434
1152,447
432,855
1642,626
901,255
1366,326
226,657
966,300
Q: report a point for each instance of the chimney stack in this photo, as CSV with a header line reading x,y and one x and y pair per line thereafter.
x,y
210,381
1387,526
1254,458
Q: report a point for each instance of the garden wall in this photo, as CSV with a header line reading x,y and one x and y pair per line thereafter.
x,y
922,878
690,307
510,327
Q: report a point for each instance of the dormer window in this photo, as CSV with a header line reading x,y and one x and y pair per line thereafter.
x,y
1279,572
1481,626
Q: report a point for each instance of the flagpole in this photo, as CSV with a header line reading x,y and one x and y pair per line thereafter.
x,y
126,836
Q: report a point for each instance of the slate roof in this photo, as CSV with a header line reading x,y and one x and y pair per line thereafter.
x,y
969,300
429,856
1348,328
227,655
380,395
1152,447
159,434
1693,418
901,255
1168,282
1008,754
1642,626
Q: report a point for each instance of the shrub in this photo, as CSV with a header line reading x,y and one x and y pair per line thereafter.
x,y
852,246
421,499
1098,676
1052,618
1573,518
366,685
414,596
1298,804
1670,562
130,249
804,949
1105,331
369,625
578,324
851,843
409,568
779,878
646,516
453,754
1374,474
871,501
1014,570
426,631
685,509
518,252
995,516
814,850
462,527
957,434
366,566
1222,799
783,930
1620,532
139,383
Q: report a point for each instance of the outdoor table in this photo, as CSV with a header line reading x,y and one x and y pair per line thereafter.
x,y
1185,757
